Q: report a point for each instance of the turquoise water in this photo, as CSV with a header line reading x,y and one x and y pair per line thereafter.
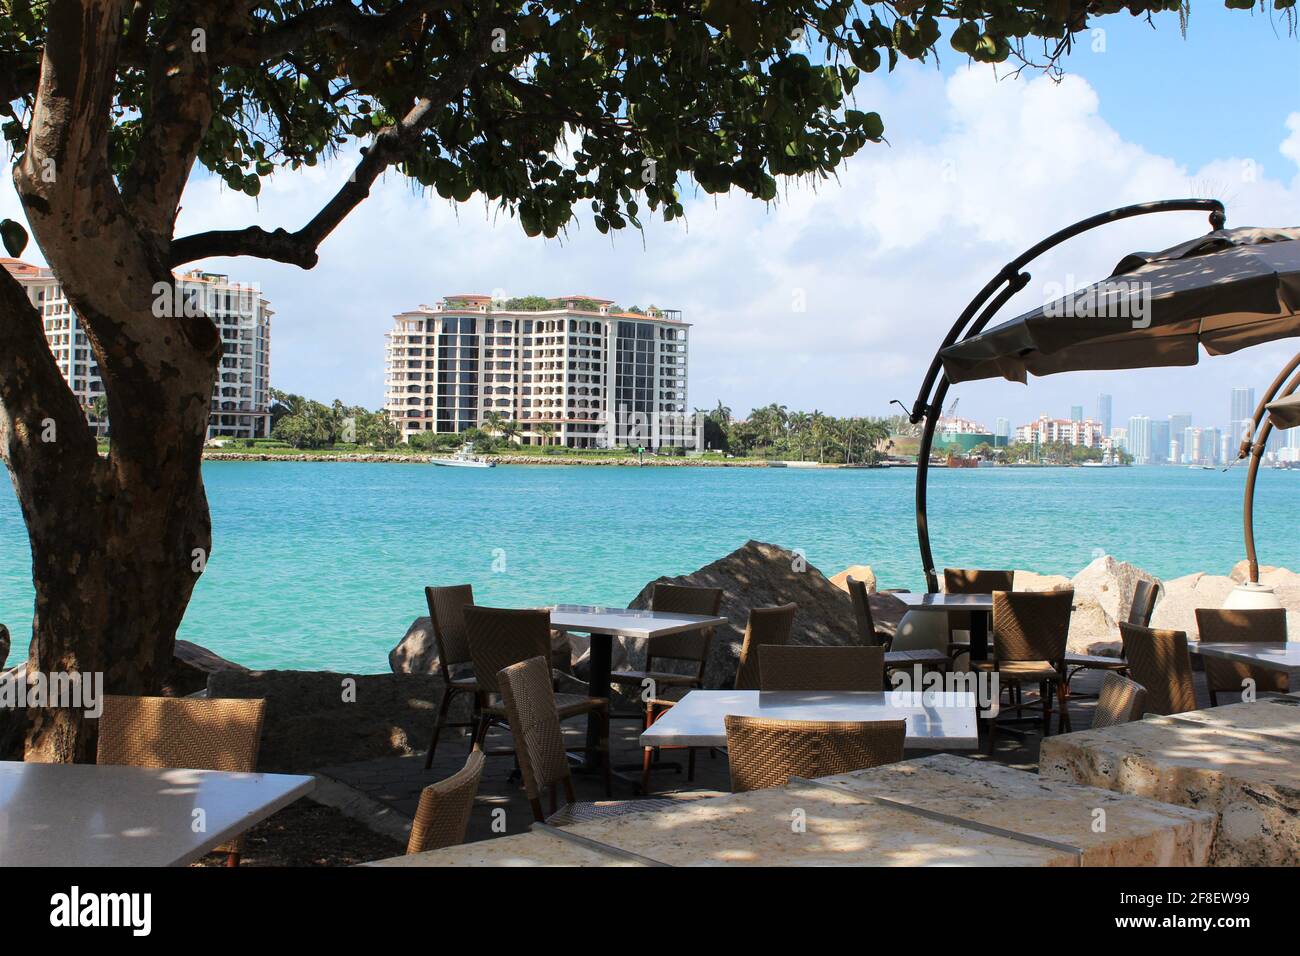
x,y
322,565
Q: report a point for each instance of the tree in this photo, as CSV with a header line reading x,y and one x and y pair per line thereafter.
x,y
538,107
547,431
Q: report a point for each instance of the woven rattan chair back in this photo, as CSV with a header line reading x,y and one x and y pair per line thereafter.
x,y
1031,625
215,733
443,813
499,637
1120,701
766,753
1144,603
866,621
535,725
688,645
1253,625
447,620
803,667
1158,660
767,625
972,581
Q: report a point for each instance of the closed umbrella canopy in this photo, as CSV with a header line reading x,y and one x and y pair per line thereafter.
x,y
1285,412
1226,290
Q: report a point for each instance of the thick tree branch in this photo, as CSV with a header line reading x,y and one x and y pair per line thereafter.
x,y
300,248
179,110
42,428
339,17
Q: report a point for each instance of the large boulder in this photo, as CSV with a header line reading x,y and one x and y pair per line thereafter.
x,y
762,575
1176,609
1110,584
317,719
858,572
1033,581
1285,584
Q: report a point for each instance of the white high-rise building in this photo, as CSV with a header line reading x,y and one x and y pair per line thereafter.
x,y
1139,439
241,397
577,373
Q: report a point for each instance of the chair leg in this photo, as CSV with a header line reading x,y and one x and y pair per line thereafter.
x,y
232,859
443,708
1063,725
646,755
1214,698
1045,698
607,759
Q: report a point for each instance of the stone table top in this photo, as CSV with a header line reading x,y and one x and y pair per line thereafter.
x,y
935,720
1237,761
945,811
945,602
91,815
1284,658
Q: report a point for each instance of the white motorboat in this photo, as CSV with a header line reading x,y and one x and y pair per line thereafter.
x,y
464,458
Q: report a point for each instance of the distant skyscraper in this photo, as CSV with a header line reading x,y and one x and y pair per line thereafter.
x,y
1178,425
1243,411
1139,439
1160,442
1002,432
1104,412
1076,413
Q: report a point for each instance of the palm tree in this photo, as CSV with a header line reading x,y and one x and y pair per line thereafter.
x,y
510,430
547,431
492,422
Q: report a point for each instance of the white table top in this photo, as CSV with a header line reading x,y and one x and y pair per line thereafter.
x,y
626,622
1277,657
935,721
88,815
945,602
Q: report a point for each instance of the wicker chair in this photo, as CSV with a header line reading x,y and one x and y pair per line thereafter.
x,y
970,581
1140,610
1030,629
530,706
689,650
447,621
766,625
801,667
499,637
767,753
869,635
1158,660
1120,701
1255,625
443,813
216,733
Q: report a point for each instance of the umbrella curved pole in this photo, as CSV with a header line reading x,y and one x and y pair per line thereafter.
x,y
1009,280
1253,445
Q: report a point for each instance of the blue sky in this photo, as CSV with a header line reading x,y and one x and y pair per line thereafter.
x,y
976,169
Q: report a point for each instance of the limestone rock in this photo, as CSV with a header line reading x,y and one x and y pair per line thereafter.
x,y
762,575
1110,584
192,665
1033,581
1090,625
309,723
858,572
1180,598
1268,574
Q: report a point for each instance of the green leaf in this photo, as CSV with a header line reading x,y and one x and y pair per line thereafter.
x,y
14,237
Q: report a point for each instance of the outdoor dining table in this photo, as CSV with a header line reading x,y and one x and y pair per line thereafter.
x,y
603,624
1284,658
980,607
936,720
92,815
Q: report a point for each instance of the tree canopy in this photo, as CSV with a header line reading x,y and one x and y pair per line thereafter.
x,y
537,106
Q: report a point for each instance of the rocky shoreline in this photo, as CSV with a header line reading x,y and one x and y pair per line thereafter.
x,y
649,462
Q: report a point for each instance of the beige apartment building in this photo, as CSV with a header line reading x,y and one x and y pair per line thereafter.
x,y
241,397
1063,431
583,368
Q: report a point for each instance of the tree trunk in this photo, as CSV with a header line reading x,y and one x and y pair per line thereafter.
x,y
117,544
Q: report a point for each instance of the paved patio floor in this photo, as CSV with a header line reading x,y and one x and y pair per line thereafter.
x,y
502,808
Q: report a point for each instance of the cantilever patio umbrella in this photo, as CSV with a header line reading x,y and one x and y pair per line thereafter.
x,y
1285,413
1226,290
